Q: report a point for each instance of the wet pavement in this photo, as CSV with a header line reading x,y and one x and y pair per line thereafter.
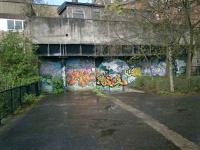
x,y
83,121
179,113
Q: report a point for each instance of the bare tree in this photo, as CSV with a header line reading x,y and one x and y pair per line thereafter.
x,y
175,23
190,9
182,14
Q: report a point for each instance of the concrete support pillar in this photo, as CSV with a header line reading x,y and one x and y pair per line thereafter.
x,y
64,73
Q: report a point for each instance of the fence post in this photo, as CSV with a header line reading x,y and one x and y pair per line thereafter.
x,y
11,100
20,95
37,89
1,116
27,89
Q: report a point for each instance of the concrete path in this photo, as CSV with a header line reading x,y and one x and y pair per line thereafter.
x,y
177,118
174,137
82,121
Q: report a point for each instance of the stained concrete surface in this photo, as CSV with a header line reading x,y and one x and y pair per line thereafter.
x,y
80,121
179,113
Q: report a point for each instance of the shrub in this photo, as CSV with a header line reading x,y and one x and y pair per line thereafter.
x,y
141,82
151,83
161,84
29,99
195,84
18,61
57,86
181,85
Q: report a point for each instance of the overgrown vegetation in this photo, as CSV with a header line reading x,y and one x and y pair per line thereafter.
x,y
29,99
57,86
18,105
161,84
18,63
99,93
18,66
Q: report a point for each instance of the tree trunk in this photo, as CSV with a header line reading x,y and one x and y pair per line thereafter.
x,y
171,77
189,56
189,64
167,64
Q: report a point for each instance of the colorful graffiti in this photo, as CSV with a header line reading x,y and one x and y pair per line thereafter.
x,y
48,70
116,73
113,66
52,68
82,77
135,72
47,83
111,75
157,68
108,80
80,73
180,67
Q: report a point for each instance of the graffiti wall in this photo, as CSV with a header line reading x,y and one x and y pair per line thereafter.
x,y
80,73
180,66
157,68
50,69
114,74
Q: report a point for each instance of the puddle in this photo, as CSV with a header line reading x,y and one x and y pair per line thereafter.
x,y
107,132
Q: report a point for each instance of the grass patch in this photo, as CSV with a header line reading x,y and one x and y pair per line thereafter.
x,y
99,93
161,84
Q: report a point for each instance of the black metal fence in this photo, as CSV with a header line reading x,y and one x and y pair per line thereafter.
x,y
196,70
13,98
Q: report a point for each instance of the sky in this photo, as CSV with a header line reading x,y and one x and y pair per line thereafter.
x,y
58,2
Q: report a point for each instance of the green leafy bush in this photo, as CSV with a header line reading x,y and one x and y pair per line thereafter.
x,y
151,83
57,86
18,63
29,99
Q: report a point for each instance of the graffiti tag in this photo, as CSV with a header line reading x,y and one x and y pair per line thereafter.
x,y
83,77
133,72
108,80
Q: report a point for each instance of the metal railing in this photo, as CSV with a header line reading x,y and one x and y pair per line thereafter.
x,y
13,98
196,70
